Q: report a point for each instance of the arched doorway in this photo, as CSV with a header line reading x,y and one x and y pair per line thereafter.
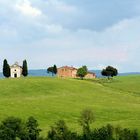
x,y
15,75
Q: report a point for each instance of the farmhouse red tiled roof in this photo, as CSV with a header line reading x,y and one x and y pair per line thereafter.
x,y
67,67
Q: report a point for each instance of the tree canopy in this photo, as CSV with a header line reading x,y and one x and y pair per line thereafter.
x,y
52,69
86,118
13,128
81,72
6,69
109,71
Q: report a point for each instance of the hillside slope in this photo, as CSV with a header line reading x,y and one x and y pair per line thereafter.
x,y
51,99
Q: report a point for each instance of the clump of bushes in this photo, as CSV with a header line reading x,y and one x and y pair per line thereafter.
x,y
15,129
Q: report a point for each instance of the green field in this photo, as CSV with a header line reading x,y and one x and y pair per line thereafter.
x,y
51,99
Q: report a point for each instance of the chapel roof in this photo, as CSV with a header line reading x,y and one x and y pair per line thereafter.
x,y
15,65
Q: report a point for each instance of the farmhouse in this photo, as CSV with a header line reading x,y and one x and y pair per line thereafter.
x,y
15,70
71,72
67,71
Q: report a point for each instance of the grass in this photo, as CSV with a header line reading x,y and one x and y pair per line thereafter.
x,y
51,99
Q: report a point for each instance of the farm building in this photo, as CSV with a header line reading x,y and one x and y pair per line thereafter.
x,y
71,72
90,75
67,71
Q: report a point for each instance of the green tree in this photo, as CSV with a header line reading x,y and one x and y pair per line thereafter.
x,y
109,72
85,68
6,69
10,128
61,132
81,72
55,69
50,70
102,134
6,133
86,118
32,128
24,68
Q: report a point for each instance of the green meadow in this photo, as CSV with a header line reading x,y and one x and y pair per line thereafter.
x,y
50,99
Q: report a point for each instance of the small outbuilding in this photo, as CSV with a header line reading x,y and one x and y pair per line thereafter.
x,y
16,70
90,75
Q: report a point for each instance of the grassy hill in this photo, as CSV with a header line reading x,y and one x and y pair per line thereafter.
x,y
51,99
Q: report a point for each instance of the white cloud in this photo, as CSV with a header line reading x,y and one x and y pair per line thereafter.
x,y
48,38
26,8
117,46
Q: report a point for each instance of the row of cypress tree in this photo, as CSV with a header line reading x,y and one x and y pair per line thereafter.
x,y
6,68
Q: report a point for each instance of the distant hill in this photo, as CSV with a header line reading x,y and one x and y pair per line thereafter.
x,y
39,72
43,72
129,73
1,75
98,73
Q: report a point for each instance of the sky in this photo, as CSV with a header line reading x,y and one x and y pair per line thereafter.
x,y
96,33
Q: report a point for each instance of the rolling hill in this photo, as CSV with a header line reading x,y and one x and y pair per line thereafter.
x,y
51,99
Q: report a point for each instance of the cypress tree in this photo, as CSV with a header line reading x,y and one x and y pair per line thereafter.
x,y
6,69
24,68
